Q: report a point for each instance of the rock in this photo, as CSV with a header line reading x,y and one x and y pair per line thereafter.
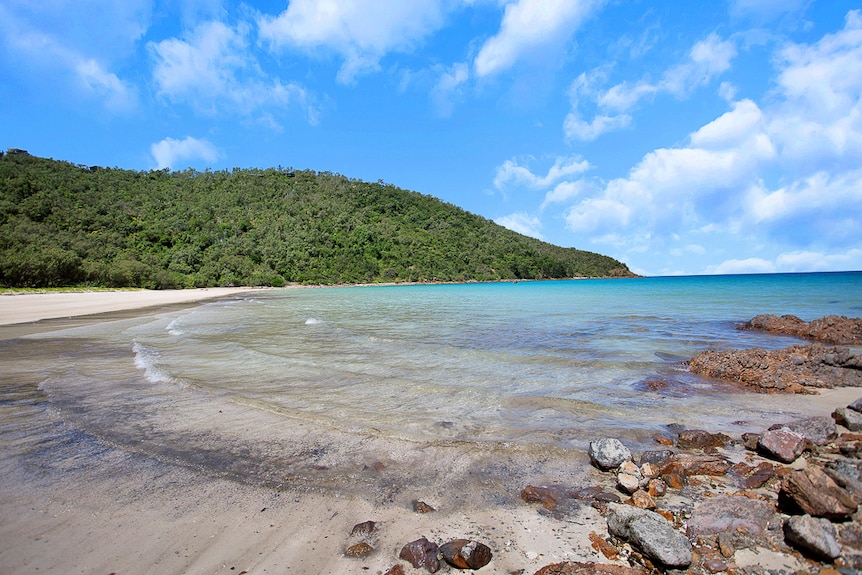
x,y
602,546
830,329
573,568
362,549
849,418
688,464
421,553
847,477
729,513
643,500
651,533
817,430
656,488
750,441
649,470
813,536
657,457
790,370
816,494
547,496
754,477
396,569
628,483
698,438
608,453
856,405
365,528
715,565
422,507
782,444
466,554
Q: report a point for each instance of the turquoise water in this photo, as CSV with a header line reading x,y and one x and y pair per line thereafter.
x,y
324,383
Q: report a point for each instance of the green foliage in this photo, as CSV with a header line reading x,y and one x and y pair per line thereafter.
x,y
63,225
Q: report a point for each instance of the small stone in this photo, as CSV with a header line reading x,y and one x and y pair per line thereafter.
x,y
547,496
422,507
573,568
715,565
656,488
849,418
642,500
466,554
725,545
813,536
630,468
649,470
698,438
603,547
608,453
364,528
782,444
421,553
396,569
362,549
650,533
628,483
750,441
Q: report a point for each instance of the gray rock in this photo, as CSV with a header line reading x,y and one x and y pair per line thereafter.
x,y
817,430
651,533
608,453
849,418
782,444
728,513
856,405
811,535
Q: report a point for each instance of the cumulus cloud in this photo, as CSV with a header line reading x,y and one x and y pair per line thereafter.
x,y
706,60
170,152
785,172
522,223
530,25
213,71
449,87
360,31
510,172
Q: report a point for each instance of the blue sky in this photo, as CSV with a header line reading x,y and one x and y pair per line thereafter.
x,y
680,137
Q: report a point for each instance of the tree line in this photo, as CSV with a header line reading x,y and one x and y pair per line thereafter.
x,y
63,224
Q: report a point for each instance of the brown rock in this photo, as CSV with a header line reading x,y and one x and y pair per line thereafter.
x,y
547,496
422,507
791,370
688,464
727,513
754,477
364,528
362,549
643,500
421,553
714,565
466,554
782,444
574,568
698,438
830,329
396,569
816,494
656,488
603,547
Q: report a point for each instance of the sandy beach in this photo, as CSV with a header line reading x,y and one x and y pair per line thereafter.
x,y
116,512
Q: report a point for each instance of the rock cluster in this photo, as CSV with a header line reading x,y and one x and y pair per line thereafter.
x,y
833,329
795,489
795,369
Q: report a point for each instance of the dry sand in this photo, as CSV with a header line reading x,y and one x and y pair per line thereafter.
x,y
31,307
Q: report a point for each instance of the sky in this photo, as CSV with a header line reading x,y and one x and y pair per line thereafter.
x,y
680,137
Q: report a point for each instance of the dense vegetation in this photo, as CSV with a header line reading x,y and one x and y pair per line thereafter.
x,y
63,224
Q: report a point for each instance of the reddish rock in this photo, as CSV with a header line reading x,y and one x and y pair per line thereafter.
x,y
782,444
817,430
643,500
688,464
547,496
396,569
364,528
791,370
359,550
698,438
813,491
754,477
830,329
422,507
603,547
574,568
656,487
421,553
466,554
729,513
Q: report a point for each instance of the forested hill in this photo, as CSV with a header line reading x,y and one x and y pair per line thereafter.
x,y
63,224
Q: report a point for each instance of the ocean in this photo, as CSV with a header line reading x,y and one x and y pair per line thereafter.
x,y
381,390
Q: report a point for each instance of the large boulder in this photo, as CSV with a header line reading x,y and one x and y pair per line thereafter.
x,y
834,329
608,453
817,494
814,536
651,533
817,430
729,513
849,418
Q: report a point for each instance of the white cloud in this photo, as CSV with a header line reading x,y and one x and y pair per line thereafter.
x,y
360,31
448,87
170,152
576,128
213,71
510,172
565,191
742,266
528,26
522,223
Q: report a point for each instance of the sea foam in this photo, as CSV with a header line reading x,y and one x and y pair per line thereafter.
x,y
147,360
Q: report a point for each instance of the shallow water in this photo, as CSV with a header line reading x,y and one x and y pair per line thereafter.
x,y
370,388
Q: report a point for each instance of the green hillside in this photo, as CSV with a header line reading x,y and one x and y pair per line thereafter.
x,y
63,224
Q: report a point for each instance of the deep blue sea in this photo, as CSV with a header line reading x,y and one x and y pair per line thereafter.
x,y
320,385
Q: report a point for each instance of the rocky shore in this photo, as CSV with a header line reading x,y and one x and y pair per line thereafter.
x,y
786,500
